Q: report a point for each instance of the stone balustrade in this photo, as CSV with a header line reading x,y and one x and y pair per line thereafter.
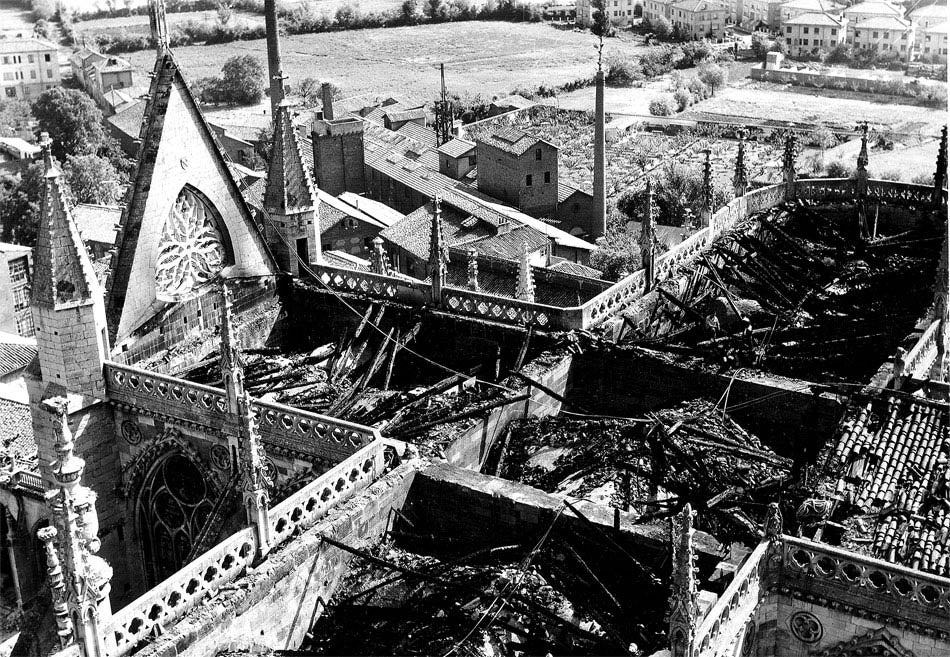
x,y
283,427
735,606
917,361
165,603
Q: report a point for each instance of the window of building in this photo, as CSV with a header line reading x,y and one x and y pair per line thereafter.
x,y
49,73
8,76
19,270
46,57
537,154
29,58
788,30
6,60
24,325
815,42
547,176
11,92
32,73
804,30
21,298
471,160
834,32
527,180
873,35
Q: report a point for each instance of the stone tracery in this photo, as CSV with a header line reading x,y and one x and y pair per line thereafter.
x,y
191,249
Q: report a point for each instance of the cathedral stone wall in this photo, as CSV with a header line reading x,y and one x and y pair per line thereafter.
x,y
788,627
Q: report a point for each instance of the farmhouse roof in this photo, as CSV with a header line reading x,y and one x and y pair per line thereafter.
x,y
514,101
16,352
884,23
129,120
576,268
566,191
457,147
939,28
410,114
815,18
930,11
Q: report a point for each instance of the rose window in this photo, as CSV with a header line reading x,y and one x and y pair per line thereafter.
x,y
191,250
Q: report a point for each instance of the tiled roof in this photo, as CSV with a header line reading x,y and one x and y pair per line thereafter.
x,y
699,5
345,260
97,223
508,245
129,120
890,462
253,193
509,139
289,187
420,133
412,233
930,11
379,211
565,191
16,432
812,5
940,28
873,8
16,46
456,147
883,23
410,114
515,101
15,352
576,268
814,18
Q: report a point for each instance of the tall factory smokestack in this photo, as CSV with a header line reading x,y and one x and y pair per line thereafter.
x,y
599,220
273,57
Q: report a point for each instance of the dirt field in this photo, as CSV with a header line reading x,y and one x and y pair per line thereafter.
x,y
758,100
487,58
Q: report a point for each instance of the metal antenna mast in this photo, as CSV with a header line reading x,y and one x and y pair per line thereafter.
x,y
443,114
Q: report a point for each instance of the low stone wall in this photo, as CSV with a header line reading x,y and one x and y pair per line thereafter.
x,y
274,605
470,449
892,86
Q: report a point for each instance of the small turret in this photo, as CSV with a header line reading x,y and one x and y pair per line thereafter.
x,y
740,179
525,289
647,238
438,254
788,164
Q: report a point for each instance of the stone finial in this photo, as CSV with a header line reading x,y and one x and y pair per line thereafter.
x,y
707,178
379,259
773,521
525,288
57,585
684,596
438,253
473,269
863,153
232,367
46,144
158,26
940,175
740,179
647,238
257,480
68,468
788,164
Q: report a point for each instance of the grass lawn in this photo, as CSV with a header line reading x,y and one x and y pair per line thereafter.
x,y
490,58
139,24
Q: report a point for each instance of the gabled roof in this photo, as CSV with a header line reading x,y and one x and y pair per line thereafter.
x,y
883,23
420,133
289,187
510,140
566,191
514,101
187,155
820,19
818,6
939,28
16,352
930,11
62,271
129,119
873,9
17,46
411,114
379,211
457,147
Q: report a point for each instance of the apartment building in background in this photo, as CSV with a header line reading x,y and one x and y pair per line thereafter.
x,y
28,67
698,19
886,35
811,34
16,268
620,12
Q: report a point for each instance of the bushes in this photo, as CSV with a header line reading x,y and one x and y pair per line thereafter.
x,y
241,83
694,52
713,76
677,193
839,169
663,105
683,99
620,71
658,61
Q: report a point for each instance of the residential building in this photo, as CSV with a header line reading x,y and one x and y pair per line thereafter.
x,y
811,34
16,154
761,14
519,169
456,158
886,35
620,12
653,10
864,10
101,74
16,354
924,17
932,42
28,67
16,268
561,12
125,126
796,8
699,19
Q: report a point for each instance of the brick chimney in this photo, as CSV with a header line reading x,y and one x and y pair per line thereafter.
x,y
326,94
598,226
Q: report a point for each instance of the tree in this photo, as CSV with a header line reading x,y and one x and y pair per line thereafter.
x,y
683,98
662,28
760,46
242,80
15,117
695,52
20,205
618,253
92,179
677,193
409,12
71,119
713,76
600,25
435,10
662,105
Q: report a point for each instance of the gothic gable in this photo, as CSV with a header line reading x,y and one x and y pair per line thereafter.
x,y
185,219
876,643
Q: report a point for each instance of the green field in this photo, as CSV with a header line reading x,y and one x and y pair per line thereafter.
x,y
488,58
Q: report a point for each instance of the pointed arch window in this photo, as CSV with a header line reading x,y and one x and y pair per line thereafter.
x,y
192,249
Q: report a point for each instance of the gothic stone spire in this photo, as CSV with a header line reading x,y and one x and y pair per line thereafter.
x,y
232,368
158,25
647,239
438,253
740,180
472,277
525,289
290,189
684,597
